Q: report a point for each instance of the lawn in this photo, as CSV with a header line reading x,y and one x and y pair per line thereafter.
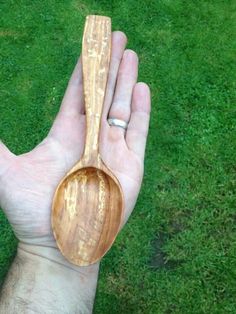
x,y
177,254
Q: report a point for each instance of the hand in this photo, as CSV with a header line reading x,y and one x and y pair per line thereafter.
x,y
28,181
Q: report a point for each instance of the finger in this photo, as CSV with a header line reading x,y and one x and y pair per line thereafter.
x,y
119,41
137,131
127,78
73,101
72,108
5,157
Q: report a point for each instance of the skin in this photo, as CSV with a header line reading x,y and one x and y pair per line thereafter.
x,y
28,182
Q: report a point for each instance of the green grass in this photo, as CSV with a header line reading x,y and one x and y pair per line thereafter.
x,y
177,254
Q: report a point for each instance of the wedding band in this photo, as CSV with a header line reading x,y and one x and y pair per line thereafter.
x,y
117,122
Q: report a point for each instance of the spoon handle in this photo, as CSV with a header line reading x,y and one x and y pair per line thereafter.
x,y
96,50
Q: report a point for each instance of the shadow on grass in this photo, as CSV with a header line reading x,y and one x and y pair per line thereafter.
x,y
159,259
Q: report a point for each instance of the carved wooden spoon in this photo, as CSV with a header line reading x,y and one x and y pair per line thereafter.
x,y
88,204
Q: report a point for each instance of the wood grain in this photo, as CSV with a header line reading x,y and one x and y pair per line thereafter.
x,y
88,204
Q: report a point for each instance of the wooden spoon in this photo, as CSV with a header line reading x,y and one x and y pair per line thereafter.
x,y
88,204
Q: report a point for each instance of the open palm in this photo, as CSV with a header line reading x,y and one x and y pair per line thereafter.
x,y
28,181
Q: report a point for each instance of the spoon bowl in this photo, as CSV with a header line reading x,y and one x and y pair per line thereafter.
x,y
85,227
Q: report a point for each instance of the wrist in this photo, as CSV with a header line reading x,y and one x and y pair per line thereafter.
x,y
41,280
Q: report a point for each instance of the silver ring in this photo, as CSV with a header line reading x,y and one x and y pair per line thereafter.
x,y
117,122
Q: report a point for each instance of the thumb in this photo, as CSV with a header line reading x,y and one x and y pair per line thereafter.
x,y
5,158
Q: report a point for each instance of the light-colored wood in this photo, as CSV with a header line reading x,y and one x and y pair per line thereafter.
x,y
88,204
